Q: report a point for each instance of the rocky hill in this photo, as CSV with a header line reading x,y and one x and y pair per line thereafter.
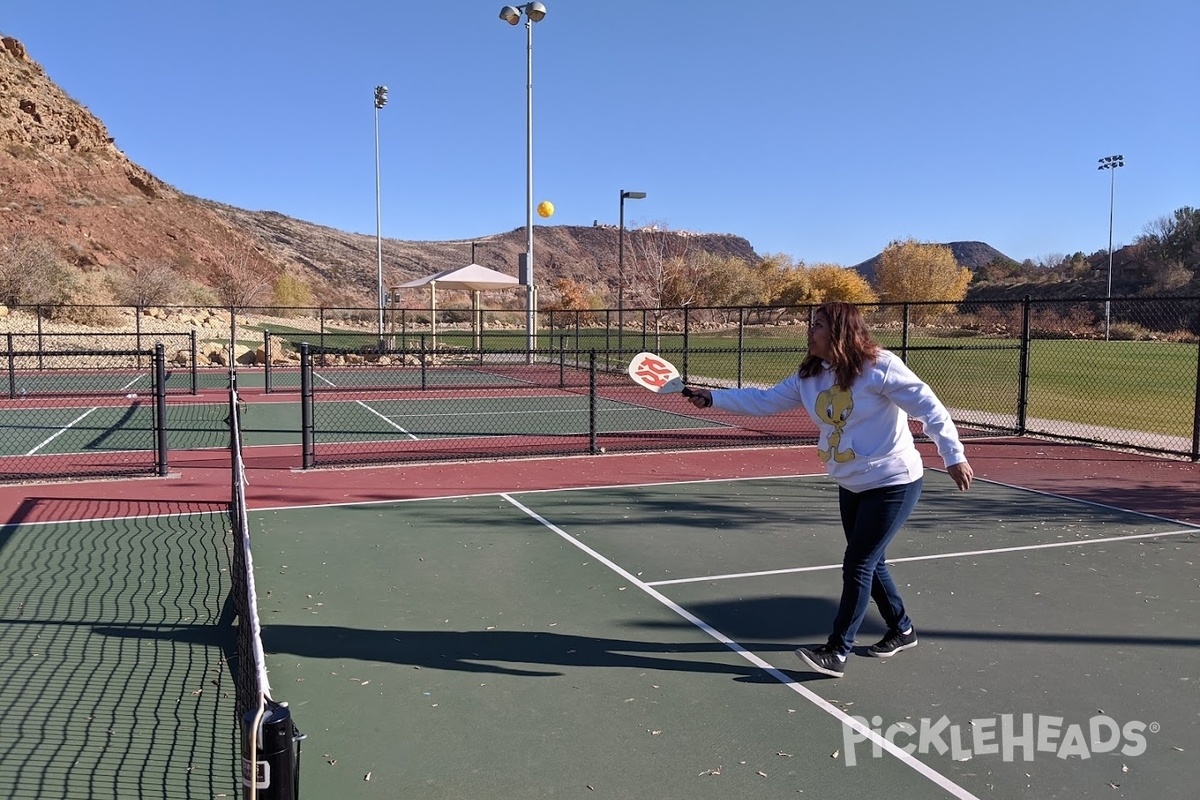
x,y
64,181
972,255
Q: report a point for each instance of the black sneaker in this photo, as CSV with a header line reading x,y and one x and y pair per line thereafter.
x,y
822,659
893,643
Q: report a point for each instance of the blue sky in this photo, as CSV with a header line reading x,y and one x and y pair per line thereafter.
x,y
819,130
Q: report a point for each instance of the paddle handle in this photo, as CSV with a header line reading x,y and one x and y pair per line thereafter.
x,y
689,394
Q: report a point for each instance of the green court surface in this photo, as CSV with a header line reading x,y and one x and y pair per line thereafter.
x,y
637,642
610,642
114,682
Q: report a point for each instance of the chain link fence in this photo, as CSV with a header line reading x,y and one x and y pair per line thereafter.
x,y
461,384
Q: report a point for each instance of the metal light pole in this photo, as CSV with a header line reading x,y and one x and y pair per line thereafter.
x,y
1110,163
621,266
533,12
380,101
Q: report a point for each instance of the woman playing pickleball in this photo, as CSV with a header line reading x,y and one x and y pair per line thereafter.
x,y
860,396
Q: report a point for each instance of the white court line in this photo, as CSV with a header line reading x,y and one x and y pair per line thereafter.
x,y
891,561
61,431
387,419
812,697
383,417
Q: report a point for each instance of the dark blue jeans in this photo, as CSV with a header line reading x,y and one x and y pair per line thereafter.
x,y
870,519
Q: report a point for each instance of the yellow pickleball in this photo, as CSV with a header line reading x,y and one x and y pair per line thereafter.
x,y
545,209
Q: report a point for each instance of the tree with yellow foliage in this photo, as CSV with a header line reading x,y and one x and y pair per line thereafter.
x,y
832,283
912,271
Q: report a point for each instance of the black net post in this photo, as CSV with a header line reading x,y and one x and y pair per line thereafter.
x,y
266,362
562,360
272,772
195,363
592,448
160,407
307,446
1023,377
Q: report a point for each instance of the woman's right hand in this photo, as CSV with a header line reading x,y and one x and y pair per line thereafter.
x,y
700,398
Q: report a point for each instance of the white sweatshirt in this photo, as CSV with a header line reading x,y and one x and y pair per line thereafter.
x,y
865,441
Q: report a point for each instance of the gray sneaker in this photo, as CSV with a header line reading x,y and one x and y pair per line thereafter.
x,y
893,643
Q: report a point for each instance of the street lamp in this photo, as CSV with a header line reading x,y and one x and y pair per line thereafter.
x,y
380,102
1110,163
621,266
533,12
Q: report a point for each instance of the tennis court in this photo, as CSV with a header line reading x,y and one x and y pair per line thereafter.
x,y
630,635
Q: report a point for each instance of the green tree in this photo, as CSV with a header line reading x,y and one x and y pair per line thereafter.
x,y
912,271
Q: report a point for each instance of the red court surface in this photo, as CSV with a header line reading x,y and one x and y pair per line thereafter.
x,y
1161,487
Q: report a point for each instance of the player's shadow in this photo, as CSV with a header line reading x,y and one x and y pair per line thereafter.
x,y
542,653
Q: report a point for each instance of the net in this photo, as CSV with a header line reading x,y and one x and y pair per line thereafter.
x,y
260,717
253,686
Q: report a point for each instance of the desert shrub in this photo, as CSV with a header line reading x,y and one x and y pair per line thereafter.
x,y
291,292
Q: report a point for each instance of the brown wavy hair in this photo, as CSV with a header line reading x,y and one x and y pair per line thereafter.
x,y
850,344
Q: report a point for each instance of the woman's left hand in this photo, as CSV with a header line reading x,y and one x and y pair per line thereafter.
x,y
962,474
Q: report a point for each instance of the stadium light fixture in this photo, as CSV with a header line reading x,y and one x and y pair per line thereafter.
x,y
1112,164
621,266
533,12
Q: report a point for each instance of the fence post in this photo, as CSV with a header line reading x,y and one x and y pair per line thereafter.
x,y
687,324
1023,377
137,341
424,385
266,361
904,334
38,314
1196,405
160,407
741,344
307,446
592,448
12,368
322,326
607,338
195,358
562,360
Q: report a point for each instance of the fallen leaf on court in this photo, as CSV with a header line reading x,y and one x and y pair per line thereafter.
x,y
591,788
785,755
655,733
836,753
716,771
1124,768
1114,785
760,772
367,777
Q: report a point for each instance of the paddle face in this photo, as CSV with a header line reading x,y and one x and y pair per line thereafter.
x,y
655,373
